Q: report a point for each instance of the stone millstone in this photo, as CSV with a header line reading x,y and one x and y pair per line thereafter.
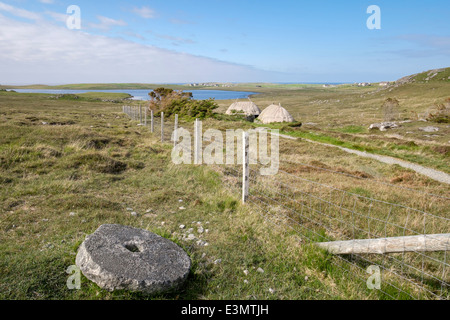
x,y
116,257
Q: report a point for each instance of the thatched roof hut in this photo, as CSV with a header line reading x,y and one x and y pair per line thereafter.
x,y
275,113
249,108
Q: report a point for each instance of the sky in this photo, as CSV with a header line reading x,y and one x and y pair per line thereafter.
x,y
181,41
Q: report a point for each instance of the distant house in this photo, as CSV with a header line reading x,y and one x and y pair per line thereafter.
x,y
364,84
384,84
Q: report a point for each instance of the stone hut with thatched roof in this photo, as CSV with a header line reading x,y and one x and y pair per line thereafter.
x,y
248,108
275,113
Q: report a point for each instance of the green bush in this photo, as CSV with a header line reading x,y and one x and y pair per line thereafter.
x,y
177,102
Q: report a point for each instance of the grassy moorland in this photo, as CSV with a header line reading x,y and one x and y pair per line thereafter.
x,y
70,165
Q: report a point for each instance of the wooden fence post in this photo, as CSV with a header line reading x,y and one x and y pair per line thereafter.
x,y
198,142
162,126
152,121
175,131
145,121
245,165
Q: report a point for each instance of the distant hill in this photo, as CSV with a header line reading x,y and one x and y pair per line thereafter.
x,y
435,75
97,86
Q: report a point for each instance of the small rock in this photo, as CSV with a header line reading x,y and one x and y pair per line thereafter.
x,y
203,255
206,230
200,230
190,237
306,278
134,214
182,226
148,211
429,129
246,281
180,200
182,208
190,230
201,243
271,290
246,272
72,214
218,261
260,270
163,223
129,209
384,126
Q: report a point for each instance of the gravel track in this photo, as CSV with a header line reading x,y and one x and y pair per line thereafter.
x,y
431,173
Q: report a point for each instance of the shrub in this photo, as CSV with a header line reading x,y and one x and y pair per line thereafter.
x,y
178,102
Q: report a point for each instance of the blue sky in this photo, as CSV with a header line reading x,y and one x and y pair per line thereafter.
x,y
237,41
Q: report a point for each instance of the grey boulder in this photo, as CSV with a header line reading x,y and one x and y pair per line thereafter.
x,y
117,257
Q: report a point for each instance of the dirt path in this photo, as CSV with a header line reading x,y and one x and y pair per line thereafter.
x,y
431,173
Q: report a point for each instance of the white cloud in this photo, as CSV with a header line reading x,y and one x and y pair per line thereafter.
x,y
107,23
57,16
47,1
175,40
144,12
42,52
19,12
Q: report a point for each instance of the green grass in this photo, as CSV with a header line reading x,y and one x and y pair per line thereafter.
x,y
352,129
443,75
48,171
408,151
90,159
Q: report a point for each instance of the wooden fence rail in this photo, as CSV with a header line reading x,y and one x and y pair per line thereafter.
x,y
422,243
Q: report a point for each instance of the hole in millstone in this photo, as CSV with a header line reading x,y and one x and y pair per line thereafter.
x,y
132,247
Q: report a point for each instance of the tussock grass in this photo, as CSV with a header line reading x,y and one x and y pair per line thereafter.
x,y
103,163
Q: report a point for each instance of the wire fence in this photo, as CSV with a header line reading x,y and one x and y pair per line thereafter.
x,y
321,214
159,125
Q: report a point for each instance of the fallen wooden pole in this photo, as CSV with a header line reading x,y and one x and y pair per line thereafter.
x,y
423,243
